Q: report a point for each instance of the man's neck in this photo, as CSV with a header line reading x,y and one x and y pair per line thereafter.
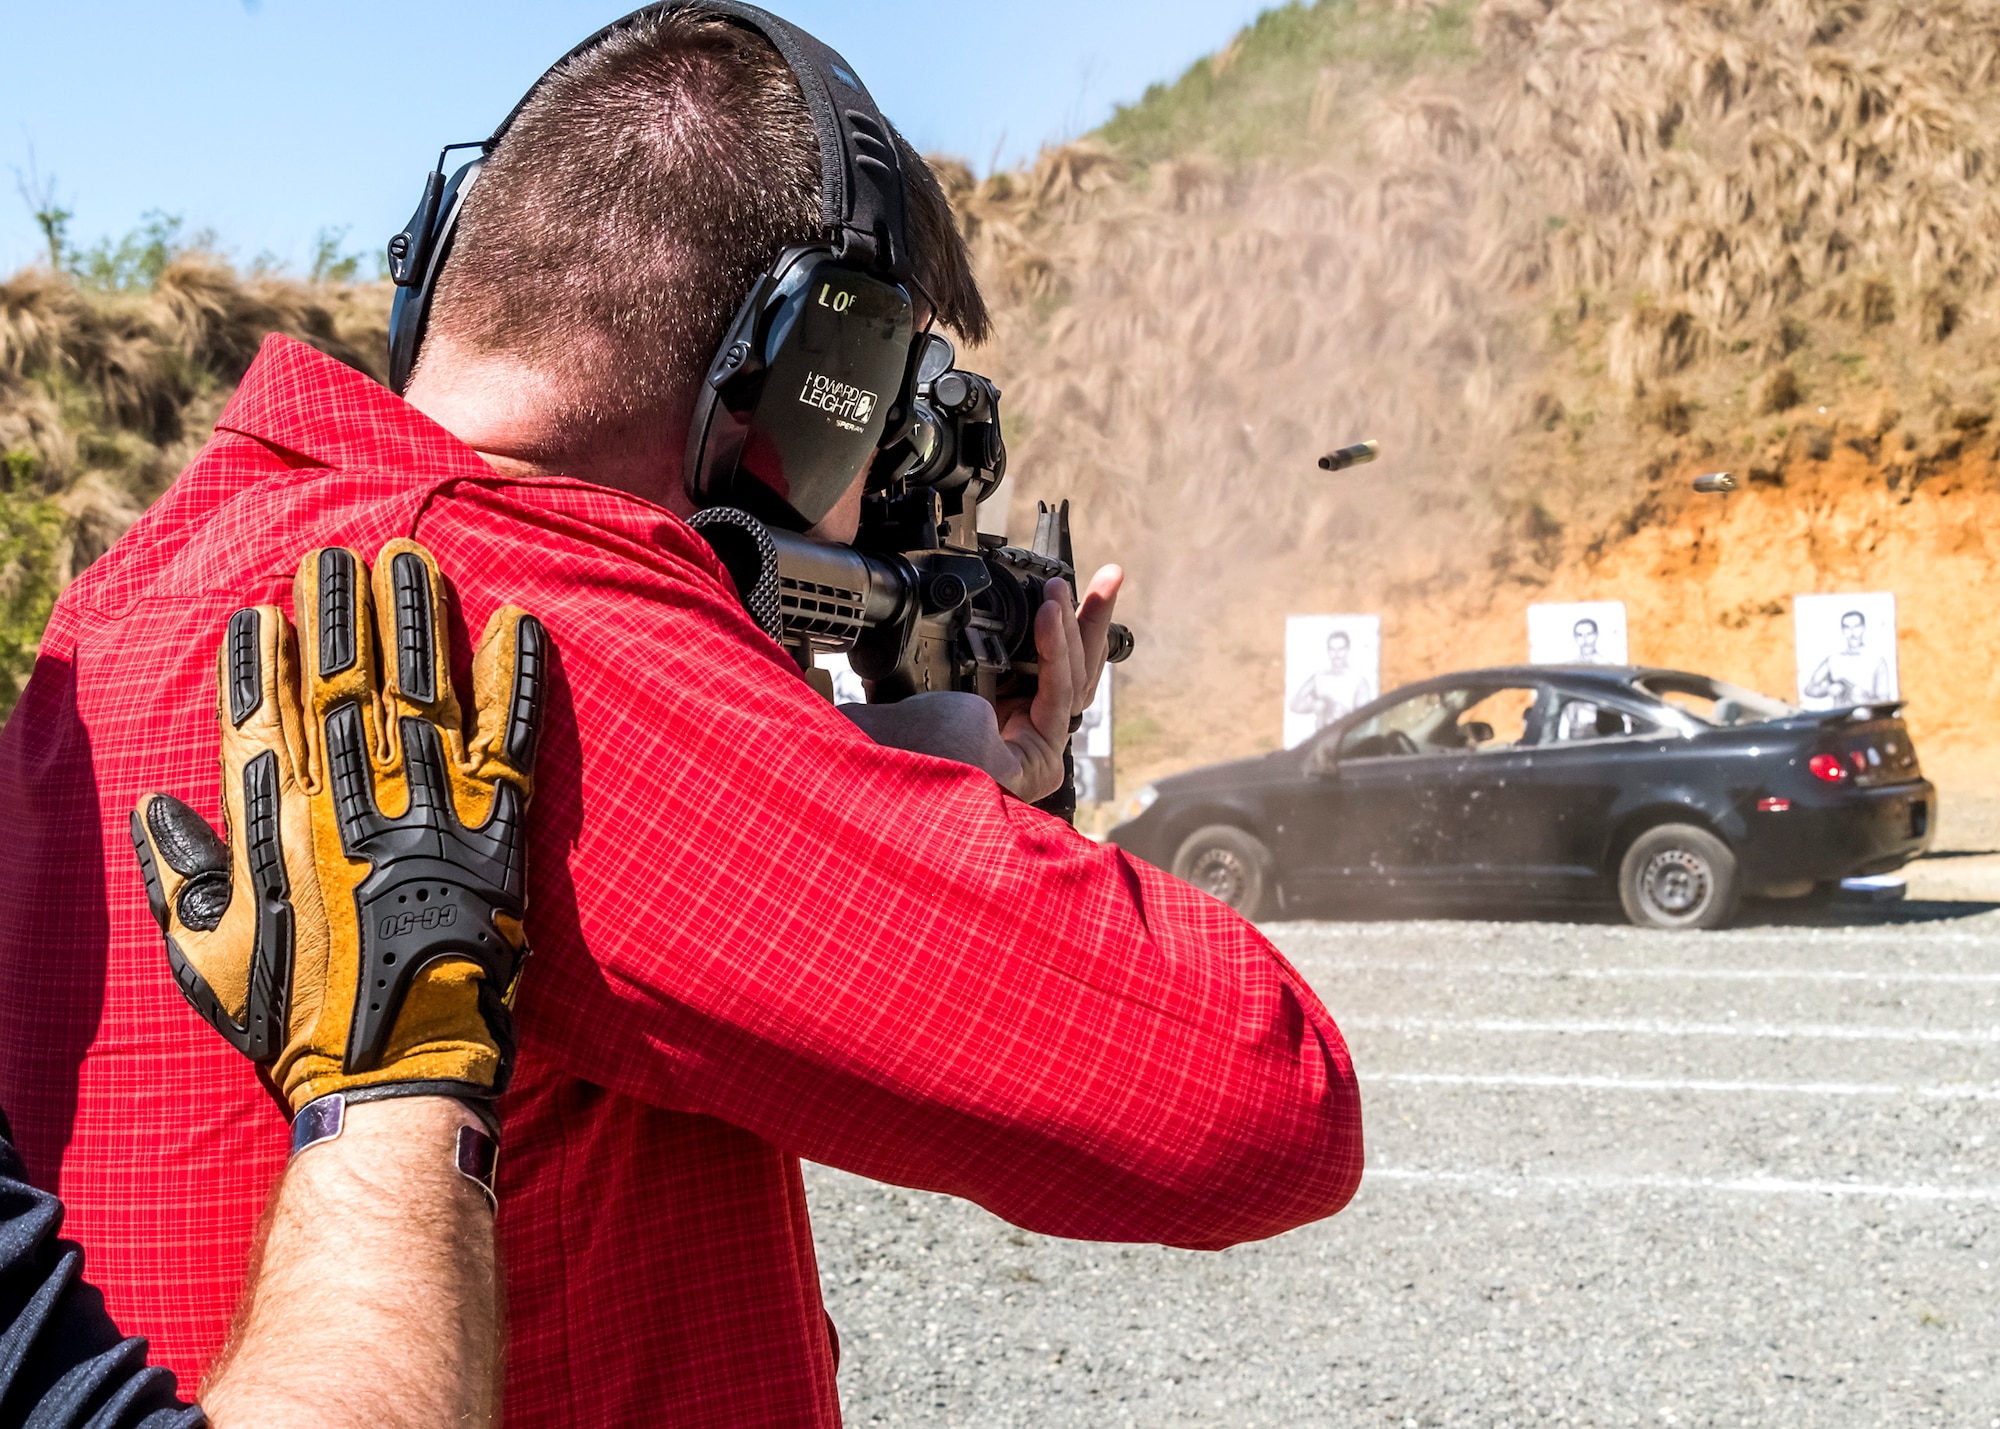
x,y
508,413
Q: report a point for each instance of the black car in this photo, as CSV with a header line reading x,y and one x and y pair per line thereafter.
x,y
1676,793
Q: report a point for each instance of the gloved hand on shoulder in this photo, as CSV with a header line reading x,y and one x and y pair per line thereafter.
x,y
360,930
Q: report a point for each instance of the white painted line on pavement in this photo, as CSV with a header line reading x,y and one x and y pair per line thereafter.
x,y
1505,1184
1945,1092
1587,974
1901,934
1658,1027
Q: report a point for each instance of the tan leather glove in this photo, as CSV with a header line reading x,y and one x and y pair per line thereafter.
x,y
360,932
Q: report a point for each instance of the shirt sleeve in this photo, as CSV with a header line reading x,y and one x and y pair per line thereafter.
x,y
63,1363
743,908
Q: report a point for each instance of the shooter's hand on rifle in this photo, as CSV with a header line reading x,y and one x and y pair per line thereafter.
x,y
1070,647
1023,747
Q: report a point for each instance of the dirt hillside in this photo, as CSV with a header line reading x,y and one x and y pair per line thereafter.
x,y
1560,256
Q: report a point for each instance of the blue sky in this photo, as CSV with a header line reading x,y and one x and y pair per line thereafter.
x,y
267,120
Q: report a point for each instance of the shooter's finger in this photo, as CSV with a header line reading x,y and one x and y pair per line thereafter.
x,y
1055,686
1093,617
1058,593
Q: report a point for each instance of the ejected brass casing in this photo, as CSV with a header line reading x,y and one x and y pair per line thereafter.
x,y
1351,456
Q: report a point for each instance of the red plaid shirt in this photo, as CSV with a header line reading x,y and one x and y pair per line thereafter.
x,y
757,937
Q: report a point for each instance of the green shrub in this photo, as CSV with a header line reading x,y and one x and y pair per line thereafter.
x,y
31,531
1294,71
134,262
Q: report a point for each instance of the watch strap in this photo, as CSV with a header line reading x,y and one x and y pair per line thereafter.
x,y
321,1119
477,1158
475,1150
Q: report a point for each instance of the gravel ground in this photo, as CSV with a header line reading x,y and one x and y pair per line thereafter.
x,y
1614,1178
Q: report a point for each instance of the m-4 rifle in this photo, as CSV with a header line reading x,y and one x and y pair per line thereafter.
x,y
922,600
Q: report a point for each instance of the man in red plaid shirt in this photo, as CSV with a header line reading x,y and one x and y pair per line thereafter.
x,y
760,936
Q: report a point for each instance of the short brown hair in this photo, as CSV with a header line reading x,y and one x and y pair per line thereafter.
x,y
622,220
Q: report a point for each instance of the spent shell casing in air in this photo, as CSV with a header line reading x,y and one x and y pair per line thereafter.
x,y
1715,483
1350,456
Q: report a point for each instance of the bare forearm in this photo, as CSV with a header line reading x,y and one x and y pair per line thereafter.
x,y
374,1300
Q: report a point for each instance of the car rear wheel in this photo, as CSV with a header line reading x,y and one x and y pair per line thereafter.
x,y
1226,863
1678,876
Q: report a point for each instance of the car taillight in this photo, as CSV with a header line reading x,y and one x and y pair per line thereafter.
x,y
1828,767
1860,758
1774,806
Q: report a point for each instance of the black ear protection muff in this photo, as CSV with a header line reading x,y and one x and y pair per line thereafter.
x,y
817,369
417,254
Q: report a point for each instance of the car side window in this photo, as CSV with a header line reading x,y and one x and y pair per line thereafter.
x,y
1497,719
1402,728
1578,720
1475,717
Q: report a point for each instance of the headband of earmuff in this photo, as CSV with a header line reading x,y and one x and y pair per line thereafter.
x,y
815,369
860,180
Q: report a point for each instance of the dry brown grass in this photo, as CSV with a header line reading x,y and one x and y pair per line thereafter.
x,y
105,396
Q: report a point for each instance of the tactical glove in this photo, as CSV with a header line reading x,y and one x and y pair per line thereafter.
x,y
360,930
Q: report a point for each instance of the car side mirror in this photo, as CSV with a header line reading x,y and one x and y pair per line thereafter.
x,y
1476,731
1324,757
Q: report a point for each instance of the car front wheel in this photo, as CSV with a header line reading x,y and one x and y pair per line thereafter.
x,y
1226,863
1678,876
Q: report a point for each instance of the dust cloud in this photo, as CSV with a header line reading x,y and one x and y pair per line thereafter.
x,y
1615,245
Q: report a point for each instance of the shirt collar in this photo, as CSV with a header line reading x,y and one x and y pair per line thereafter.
x,y
301,400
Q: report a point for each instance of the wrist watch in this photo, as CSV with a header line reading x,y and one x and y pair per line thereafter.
x,y
475,1153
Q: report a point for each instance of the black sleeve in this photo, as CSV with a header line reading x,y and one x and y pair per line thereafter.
x,y
63,1364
